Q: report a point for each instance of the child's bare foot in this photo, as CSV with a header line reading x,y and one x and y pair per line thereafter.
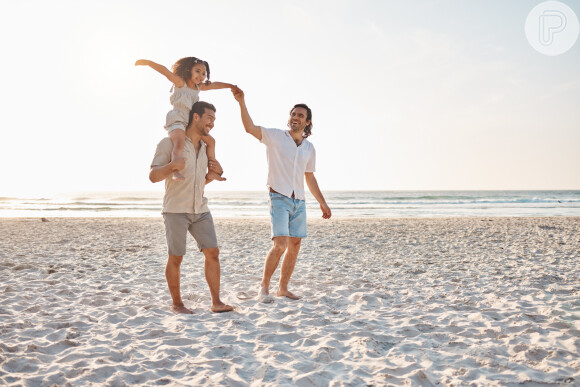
x,y
178,176
177,162
214,176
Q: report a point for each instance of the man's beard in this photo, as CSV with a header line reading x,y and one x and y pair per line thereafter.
x,y
295,129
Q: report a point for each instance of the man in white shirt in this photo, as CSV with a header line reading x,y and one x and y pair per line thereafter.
x,y
291,160
185,208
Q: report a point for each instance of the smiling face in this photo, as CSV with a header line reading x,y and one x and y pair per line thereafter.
x,y
198,73
205,123
298,119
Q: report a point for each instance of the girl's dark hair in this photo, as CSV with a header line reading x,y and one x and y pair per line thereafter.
x,y
308,128
182,67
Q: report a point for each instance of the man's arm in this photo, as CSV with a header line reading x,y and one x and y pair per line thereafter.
x,y
315,191
254,130
161,172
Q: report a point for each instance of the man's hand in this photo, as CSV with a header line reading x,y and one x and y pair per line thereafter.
x,y
177,164
238,94
161,172
210,176
215,166
326,213
142,62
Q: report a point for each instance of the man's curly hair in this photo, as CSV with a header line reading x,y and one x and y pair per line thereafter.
x,y
308,128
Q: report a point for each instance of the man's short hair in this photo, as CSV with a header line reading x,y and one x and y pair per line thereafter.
x,y
199,108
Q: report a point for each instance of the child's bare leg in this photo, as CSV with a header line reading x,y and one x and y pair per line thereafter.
x,y
215,169
178,140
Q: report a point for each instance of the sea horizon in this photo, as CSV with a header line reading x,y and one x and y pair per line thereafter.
x,y
344,204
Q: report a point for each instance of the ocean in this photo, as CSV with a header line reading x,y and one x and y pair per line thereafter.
x,y
344,204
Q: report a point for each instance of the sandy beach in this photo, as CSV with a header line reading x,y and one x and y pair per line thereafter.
x,y
451,301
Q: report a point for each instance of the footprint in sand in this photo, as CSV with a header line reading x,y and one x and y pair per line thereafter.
x,y
264,298
243,296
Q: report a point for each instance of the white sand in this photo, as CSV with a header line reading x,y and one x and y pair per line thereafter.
x,y
386,302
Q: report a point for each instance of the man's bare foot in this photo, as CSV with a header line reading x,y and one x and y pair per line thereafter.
x,y
264,296
287,294
178,176
214,176
221,308
181,309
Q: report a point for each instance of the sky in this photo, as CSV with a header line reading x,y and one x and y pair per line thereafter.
x,y
406,95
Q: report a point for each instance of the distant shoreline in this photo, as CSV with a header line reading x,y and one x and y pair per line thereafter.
x,y
344,204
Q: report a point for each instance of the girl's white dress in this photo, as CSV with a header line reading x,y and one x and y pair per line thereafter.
x,y
182,100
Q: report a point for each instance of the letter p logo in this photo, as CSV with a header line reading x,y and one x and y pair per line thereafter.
x,y
552,28
552,22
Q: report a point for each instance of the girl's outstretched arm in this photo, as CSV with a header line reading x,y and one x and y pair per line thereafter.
x,y
175,79
216,85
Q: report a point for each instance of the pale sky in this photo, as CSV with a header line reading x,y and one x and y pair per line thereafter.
x,y
406,95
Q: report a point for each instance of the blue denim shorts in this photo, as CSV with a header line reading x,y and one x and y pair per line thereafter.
x,y
288,216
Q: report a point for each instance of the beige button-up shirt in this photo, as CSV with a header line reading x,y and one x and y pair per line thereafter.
x,y
184,196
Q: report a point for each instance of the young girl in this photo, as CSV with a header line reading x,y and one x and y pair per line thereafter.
x,y
187,75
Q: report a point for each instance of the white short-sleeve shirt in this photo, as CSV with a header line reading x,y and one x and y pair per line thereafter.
x,y
287,162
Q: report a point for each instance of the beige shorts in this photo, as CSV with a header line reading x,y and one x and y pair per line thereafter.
x,y
176,119
175,126
200,226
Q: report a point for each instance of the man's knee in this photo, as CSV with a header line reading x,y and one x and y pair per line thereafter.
x,y
213,253
280,243
174,260
294,243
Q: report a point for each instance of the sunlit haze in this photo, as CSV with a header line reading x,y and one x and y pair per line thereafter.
x,y
406,95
